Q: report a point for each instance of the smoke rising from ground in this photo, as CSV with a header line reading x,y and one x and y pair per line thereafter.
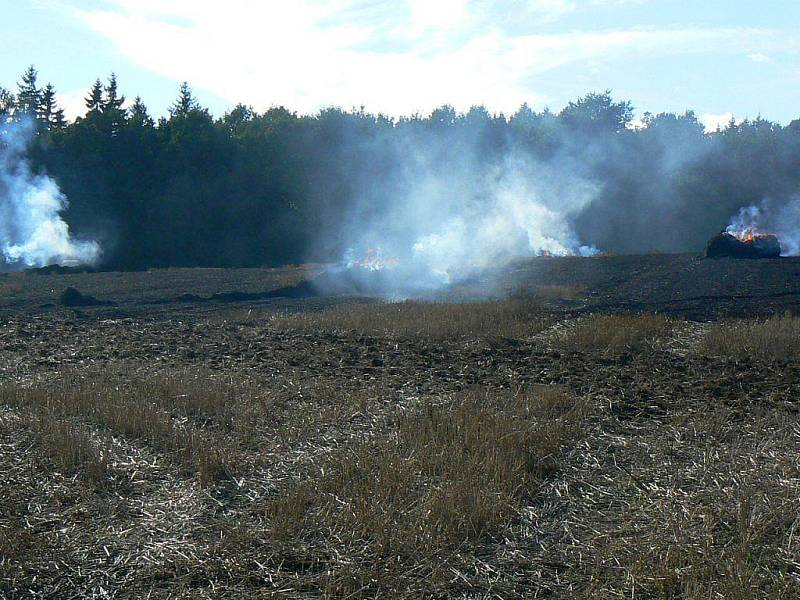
x,y
32,232
523,208
450,195
446,194
450,203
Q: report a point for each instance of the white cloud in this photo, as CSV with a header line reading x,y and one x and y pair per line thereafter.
x,y
613,3
712,122
427,15
551,10
390,56
758,57
73,102
548,11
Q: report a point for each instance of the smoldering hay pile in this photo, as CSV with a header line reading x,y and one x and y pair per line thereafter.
x,y
735,244
32,232
772,226
768,229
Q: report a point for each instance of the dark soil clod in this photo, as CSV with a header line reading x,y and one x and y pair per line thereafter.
x,y
71,297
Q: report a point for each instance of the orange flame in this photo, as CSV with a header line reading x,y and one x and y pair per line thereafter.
x,y
750,235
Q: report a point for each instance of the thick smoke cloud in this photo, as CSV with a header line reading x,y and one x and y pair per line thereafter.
x,y
445,194
32,232
450,202
449,195
523,207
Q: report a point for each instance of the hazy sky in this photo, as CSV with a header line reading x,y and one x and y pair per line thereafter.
x,y
402,56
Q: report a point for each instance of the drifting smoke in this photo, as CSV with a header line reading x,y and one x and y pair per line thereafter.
x,y
451,195
781,219
32,232
446,209
524,209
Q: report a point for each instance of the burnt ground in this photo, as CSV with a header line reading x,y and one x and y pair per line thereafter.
x,y
684,483
683,285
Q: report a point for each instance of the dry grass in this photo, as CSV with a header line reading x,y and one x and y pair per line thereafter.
x,y
558,292
703,507
509,318
10,288
183,416
70,449
396,510
616,333
669,476
777,338
548,292
449,476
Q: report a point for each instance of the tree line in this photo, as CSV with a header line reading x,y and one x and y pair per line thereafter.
x,y
275,187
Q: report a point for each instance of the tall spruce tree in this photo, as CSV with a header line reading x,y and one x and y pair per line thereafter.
x,y
113,100
112,105
94,101
51,116
185,103
29,96
138,115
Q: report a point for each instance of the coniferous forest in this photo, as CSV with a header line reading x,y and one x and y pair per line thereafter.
x,y
255,188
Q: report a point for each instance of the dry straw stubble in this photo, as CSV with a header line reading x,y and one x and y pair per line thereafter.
x,y
449,476
428,320
777,338
616,333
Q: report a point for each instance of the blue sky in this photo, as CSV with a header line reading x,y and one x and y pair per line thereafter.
x,y
718,57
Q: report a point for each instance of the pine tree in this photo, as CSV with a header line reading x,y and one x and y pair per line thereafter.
x,y
49,112
112,105
113,101
58,120
29,96
185,103
137,114
94,101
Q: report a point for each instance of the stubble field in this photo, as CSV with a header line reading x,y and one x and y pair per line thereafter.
x,y
613,428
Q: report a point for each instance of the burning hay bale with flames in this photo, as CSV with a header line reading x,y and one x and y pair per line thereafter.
x,y
747,243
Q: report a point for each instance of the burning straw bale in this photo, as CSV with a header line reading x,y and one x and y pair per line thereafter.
x,y
777,338
616,333
746,245
509,318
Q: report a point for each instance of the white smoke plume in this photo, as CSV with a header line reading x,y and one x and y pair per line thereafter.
x,y
32,232
525,210
780,218
446,212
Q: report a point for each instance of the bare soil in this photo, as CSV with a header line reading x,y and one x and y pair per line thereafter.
x,y
182,444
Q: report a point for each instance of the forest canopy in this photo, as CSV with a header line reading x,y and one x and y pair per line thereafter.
x,y
253,188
